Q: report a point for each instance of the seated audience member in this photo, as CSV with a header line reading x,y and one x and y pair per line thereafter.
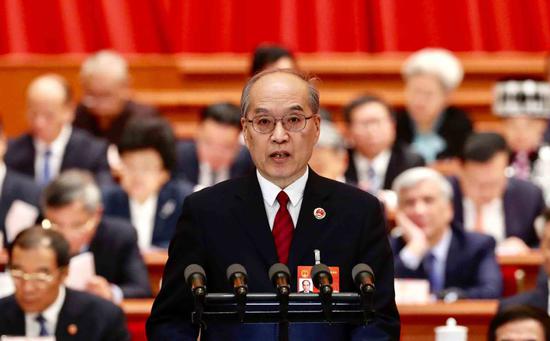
x,y
457,263
433,128
376,158
42,305
269,56
537,297
486,201
14,188
524,106
106,106
520,323
53,145
72,205
216,154
329,157
147,196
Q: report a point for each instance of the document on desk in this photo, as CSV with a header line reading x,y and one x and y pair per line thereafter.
x,y
81,270
20,216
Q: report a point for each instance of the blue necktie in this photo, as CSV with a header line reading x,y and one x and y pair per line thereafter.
x,y
435,278
374,186
46,175
42,321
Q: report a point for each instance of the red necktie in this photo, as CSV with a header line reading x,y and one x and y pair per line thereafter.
x,y
283,228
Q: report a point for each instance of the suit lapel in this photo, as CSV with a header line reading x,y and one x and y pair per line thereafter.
x,y
14,319
510,211
452,263
250,212
351,173
68,319
393,168
70,149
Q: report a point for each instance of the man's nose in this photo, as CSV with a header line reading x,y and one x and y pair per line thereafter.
x,y
279,134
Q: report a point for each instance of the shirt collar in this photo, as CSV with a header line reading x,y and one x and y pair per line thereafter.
x,y
58,145
51,314
379,162
295,190
149,203
441,249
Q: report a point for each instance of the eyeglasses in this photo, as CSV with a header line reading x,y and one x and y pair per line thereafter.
x,y
265,124
41,278
88,225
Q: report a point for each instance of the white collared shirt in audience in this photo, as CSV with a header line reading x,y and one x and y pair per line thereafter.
x,y
207,177
57,149
143,219
50,314
379,164
493,218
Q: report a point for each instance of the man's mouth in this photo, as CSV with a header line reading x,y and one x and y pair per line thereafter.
x,y
279,155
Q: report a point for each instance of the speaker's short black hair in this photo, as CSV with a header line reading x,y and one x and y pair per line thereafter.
x,y
481,147
150,133
519,313
267,54
36,236
362,100
223,113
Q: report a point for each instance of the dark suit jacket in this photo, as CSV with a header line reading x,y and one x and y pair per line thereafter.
x,y
454,129
85,120
471,264
83,151
537,297
117,257
16,187
169,204
188,163
94,317
227,223
401,159
523,203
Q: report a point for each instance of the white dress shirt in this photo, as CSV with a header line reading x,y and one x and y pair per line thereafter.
x,y
50,314
2,176
57,149
295,192
142,216
379,164
493,218
207,178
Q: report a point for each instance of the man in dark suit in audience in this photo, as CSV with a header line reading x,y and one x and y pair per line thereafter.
x,y
487,201
458,264
53,145
537,297
72,205
14,188
42,306
106,106
147,196
376,158
251,221
216,154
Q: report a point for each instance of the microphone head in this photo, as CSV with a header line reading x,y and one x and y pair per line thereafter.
x,y
192,269
317,270
277,268
235,268
361,267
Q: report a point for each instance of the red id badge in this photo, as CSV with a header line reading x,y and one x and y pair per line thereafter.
x,y
305,283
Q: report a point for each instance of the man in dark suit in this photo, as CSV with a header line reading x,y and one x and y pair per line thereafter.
x,y
106,106
251,221
537,297
458,264
147,196
72,205
216,154
487,201
42,306
376,159
13,188
53,145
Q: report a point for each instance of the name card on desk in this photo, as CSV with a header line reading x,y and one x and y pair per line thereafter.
x,y
412,291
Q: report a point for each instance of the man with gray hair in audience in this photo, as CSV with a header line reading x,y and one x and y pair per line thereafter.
x,y
329,157
72,205
458,264
106,106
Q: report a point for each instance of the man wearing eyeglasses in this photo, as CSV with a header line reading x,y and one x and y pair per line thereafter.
x,y
280,214
72,205
42,306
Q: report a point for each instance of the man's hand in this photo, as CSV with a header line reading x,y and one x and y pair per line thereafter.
x,y
414,236
99,286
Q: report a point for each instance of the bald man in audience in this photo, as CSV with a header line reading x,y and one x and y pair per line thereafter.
x,y
53,144
106,106
42,306
426,245
487,201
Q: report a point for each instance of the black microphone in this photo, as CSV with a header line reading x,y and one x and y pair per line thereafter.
x,y
363,276
280,276
196,278
322,280
237,276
